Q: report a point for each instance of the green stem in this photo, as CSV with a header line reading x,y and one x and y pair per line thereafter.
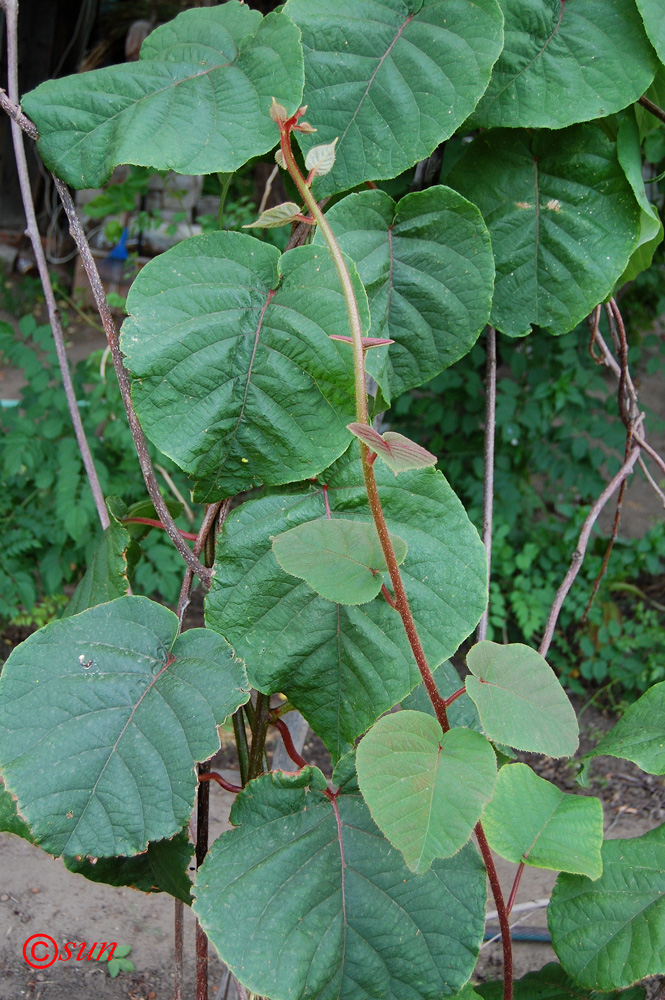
x,y
224,185
259,730
241,745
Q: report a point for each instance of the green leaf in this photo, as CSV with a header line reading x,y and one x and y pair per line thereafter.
x,y
10,821
566,62
651,228
306,899
654,23
272,218
562,217
552,983
424,788
397,451
197,101
428,269
608,934
107,575
392,79
638,736
343,666
162,868
531,820
234,375
341,560
462,712
155,699
520,700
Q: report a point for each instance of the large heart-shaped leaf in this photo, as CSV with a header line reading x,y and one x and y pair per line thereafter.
x,y
531,820
520,700
305,899
391,78
567,62
552,983
623,940
638,736
425,788
562,217
196,102
340,559
343,666
427,266
235,376
102,718
654,22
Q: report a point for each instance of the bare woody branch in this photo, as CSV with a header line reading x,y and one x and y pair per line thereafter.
x,y
19,121
78,234
580,551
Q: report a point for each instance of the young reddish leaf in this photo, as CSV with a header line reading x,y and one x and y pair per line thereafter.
x,y
397,451
280,215
321,159
341,560
278,112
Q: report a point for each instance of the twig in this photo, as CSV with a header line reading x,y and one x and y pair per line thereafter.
x,y
627,410
488,465
140,443
652,482
14,111
267,189
216,510
32,230
578,554
652,108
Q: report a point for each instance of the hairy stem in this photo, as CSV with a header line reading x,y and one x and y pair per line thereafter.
x,y
362,416
17,120
501,910
202,809
260,722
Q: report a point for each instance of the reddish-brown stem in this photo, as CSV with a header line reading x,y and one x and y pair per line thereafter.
x,y
326,501
501,911
516,885
454,696
401,600
202,808
388,596
158,524
15,113
178,963
227,785
288,742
